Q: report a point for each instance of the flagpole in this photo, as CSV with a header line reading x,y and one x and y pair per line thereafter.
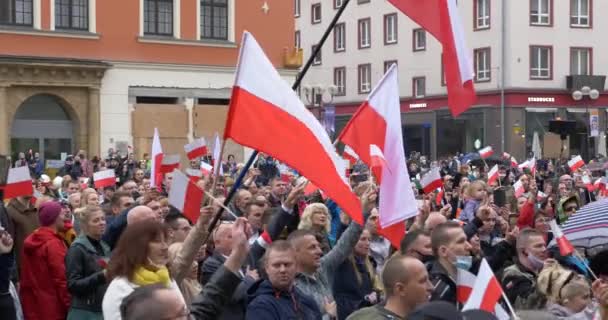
x,y
504,296
218,166
295,86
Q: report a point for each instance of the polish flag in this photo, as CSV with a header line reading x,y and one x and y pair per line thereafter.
x,y
170,162
217,162
350,155
464,286
540,196
519,188
486,152
441,19
18,183
206,168
185,196
565,247
431,181
378,161
493,174
196,148
439,197
576,163
532,166
506,155
194,174
105,178
514,163
267,115
587,182
486,291
378,122
156,176
310,189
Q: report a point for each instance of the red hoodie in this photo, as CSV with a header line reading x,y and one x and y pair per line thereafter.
x,y
43,287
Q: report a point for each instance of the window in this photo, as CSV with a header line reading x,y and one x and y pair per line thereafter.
x,y
365,34
580,13
297,40
16,12
338,3
581,61
362,1
318,58
388,64
419,40
72,14
541,62
214,19
419,87
340,81
315,13
296,8
483,67
339,37
158,17
541,12
390,28
482,14
364,75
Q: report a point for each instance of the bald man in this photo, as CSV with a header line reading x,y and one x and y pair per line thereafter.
x,y
434,219
139,214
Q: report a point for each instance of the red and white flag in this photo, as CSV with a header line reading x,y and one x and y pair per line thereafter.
x,y
486,291
514,163
431,181
441,19
105,178
217,162
565,247
439,197
267,115
532,166
506,155
493,174
350,155
540,196
378,122
196,148
519,188
185,196
170,162
588,183
378,161
18,183
576,163
486,152
156,176
206,168
194,174
465,281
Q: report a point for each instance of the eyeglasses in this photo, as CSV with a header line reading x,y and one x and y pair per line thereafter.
x,y
570,209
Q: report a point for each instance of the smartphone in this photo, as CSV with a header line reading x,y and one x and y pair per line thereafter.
x,y
500,197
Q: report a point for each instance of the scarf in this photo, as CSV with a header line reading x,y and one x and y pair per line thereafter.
x,y
143,276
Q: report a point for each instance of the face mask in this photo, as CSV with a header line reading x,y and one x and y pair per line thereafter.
x,y
535,262
464,262
424,258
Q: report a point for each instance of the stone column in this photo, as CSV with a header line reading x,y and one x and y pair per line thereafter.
x,y
93,123
190,106
4,121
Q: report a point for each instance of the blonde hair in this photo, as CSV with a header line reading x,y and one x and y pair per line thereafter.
x,y
84,195
306,219
83,214
474,185
559,284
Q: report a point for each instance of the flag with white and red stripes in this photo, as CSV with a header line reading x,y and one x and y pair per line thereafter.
x,y
486,291
185,196
465,281
267,115
156,176
196,148
493,175
194,174
576,163
565,247
431,181
170,162
519,188
206,168
105,178
350,155
486,152
18,183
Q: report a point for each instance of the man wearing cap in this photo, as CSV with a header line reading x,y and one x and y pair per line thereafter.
x,y
43,287
407,286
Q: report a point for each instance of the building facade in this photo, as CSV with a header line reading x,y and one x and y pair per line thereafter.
x,y
99,74
532,57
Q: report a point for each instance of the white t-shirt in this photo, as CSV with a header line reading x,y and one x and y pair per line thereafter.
x,y
119,289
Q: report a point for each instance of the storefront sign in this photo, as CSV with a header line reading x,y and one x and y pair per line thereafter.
x,y
541,99
417,105
594,123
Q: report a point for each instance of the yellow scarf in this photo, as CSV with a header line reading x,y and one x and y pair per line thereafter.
x,y
143,276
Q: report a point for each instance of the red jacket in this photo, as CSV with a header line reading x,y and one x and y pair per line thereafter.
x,y
43,286
526,216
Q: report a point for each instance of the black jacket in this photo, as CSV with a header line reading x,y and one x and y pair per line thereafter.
x,y
349,293
444,286
214,297
269,304
84,272
519,284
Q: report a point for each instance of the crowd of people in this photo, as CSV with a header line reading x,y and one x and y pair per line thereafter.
x,y
282,251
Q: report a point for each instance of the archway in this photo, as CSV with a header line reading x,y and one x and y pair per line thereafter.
x,y
42,124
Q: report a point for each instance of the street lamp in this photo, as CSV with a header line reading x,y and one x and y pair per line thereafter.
x,y
318,95
578,95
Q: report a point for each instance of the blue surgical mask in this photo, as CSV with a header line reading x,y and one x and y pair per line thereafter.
x,y
464,262
535,262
